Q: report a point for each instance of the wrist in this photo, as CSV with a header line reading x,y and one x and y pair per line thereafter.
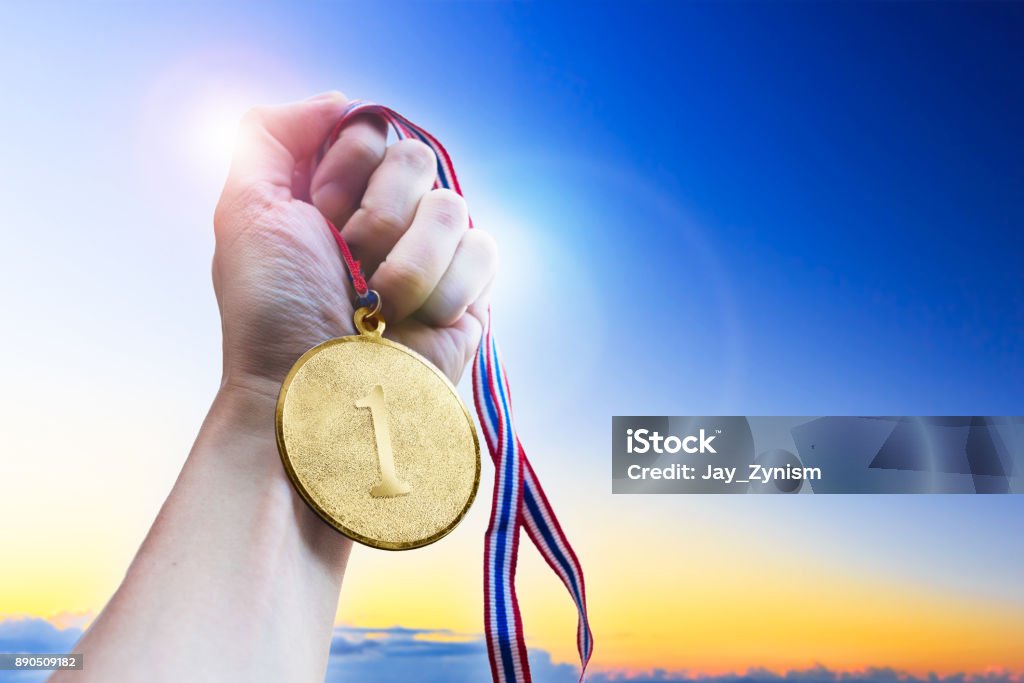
x,y
248,390
237,445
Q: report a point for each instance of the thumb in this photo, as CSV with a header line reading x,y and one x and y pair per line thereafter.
x,y
273,140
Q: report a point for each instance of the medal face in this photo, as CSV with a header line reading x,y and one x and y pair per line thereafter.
x,y
377,441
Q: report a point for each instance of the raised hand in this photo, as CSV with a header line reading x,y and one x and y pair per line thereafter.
x,y
279,277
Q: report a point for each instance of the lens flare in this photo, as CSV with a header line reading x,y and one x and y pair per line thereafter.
x,y
212,132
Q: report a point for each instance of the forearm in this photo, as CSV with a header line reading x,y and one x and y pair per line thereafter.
x,y
237,579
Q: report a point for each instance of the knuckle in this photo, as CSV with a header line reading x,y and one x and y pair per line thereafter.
x,y
255,116
448,209
404,276
383,221
414,154
359,148
485,246
446,308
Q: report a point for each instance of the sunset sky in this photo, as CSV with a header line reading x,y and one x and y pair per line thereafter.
x,y
734,209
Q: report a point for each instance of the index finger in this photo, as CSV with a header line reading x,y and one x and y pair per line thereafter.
x,y
344,173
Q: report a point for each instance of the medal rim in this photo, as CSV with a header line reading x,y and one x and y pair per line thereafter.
x,y
308,498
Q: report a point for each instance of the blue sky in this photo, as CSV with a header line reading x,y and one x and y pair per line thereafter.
x,y
820,203
842,181
702,208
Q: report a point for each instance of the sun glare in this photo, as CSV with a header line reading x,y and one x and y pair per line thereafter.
x,y
193,107
213,132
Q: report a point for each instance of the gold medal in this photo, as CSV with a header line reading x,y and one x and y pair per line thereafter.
x,y
377,441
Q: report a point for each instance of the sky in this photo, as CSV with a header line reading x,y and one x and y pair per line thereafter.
x,y
767,208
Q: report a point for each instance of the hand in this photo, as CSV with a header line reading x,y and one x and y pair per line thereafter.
x,y
280,281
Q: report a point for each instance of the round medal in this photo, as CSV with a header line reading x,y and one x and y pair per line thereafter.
x,y
377,441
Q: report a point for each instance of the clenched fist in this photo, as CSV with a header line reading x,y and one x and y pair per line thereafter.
x,y
280,281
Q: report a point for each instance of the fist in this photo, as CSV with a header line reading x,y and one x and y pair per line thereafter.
x,y
280,280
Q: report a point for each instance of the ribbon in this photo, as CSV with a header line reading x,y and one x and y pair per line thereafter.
x,y
518,500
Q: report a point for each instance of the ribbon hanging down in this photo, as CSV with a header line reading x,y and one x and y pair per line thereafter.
x,y
518,500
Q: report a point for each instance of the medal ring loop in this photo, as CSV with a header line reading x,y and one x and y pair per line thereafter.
x,y
367,322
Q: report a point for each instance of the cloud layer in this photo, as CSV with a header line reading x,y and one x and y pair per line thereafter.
x,y
394,655
817,674
398,655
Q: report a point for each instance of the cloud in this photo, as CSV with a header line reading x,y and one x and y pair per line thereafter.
x,y
27,634
33,636
393,655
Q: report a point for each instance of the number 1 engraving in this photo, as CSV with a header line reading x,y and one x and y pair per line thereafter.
x,y
390,484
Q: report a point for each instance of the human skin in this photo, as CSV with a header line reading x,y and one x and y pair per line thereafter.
x,y
238,580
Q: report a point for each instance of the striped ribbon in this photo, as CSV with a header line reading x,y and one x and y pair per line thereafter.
x,y
518,500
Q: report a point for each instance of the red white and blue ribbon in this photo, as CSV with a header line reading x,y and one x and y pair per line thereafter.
x,y
518,500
